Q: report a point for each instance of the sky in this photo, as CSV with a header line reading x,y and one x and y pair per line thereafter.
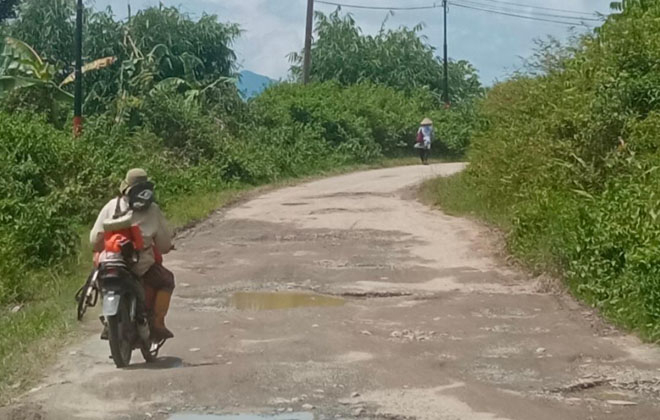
x,y
494,44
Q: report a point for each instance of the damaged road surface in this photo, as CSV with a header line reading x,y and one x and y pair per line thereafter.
x,y
346,298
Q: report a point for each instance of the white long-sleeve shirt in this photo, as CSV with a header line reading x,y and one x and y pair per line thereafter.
x,y
427,135
152,223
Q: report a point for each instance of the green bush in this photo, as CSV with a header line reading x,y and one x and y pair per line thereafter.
x,y
455,127
363,120
37,163
54,185
569,160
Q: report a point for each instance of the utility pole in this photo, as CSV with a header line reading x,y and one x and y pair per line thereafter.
x,y
446,64
78,95
307,59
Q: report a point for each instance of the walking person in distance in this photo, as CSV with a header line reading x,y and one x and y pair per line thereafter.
x,y
424,138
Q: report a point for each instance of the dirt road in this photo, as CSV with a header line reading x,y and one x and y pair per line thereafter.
x,y
385,310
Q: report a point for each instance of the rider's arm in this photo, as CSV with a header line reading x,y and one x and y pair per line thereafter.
x,y
164,235
96,235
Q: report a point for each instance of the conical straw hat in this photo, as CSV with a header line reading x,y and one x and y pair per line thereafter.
x,y
427,121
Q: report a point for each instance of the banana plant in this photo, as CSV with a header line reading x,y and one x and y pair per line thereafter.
x,y
141,76
99,64
192,89
22,67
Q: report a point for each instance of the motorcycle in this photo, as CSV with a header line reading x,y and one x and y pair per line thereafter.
x,y
124,313
124,307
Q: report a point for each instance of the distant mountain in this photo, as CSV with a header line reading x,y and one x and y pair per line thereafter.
x,y
252,84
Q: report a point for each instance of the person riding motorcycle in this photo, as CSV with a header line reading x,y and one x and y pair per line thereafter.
x,y
157,238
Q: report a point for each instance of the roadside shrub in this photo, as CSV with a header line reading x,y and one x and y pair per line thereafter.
x,y
37,163
455,127
570,160
54,185
363,120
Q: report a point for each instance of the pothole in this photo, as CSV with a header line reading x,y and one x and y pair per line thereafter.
x,y
284,416
295,204
374,294
262,301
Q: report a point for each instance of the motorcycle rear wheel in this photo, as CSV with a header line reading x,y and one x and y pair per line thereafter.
x,y
119,326
149,355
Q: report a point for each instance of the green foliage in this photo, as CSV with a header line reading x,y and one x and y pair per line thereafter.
x,y
163,99
157,43
22,67
626,4
8,9
361,121
52,185
399,58
34,228
567,160
454,128
201,49
40,22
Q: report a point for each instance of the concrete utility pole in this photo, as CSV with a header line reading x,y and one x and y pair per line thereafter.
x,y
446,64
78,94
307,59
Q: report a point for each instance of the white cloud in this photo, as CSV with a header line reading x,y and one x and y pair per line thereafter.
x,y
274,28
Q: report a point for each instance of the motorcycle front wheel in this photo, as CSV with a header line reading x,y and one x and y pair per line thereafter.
x,y
119,327
86,296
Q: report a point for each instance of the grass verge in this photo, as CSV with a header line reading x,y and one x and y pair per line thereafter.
x,y
456,196
32,334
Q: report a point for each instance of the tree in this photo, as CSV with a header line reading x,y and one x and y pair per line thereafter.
x,y
398,58
157,44
23,71
201,48
47,26
8,9
622,5
550,55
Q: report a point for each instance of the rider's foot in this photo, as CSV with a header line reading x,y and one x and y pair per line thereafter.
x,y
158,329
161,333
104,334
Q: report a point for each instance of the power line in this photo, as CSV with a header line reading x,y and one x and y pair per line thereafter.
x,y
465,6
525,12
540,7
437,6
359,6
518,15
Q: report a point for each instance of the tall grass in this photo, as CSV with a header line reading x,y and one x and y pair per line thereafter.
x,y
567,163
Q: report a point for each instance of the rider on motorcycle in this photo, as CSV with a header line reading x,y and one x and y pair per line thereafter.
x,y
157,238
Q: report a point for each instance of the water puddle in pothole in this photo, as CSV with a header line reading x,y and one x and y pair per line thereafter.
x,y
281,300
285,416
